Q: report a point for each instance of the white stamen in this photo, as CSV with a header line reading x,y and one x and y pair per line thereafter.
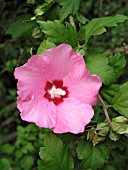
x,y
56,92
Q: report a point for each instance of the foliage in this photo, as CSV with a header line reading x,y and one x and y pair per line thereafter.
x,y
57,33
68,7
90,155
120,100
31,27
54,158
97,26
21,27
111,67
26,147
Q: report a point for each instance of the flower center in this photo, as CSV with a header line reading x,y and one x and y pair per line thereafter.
x,y
55,91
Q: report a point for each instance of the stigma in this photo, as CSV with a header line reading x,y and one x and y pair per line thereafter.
x,y
56,92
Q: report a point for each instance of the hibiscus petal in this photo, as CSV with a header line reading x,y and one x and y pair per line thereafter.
x,y
84,86
31,80
39,111
72,116
60,60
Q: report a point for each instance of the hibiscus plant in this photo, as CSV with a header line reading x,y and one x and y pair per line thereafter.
x,y
68,91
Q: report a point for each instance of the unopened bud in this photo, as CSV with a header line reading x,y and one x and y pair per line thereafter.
x,y
113,136
102,129
120,119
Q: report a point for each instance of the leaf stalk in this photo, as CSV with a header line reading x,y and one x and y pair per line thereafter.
x,y
105,108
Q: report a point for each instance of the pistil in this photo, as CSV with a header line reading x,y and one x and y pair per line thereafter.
x,y
56,92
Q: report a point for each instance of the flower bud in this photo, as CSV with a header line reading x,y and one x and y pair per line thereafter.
x,y
102,129
113,136
120,119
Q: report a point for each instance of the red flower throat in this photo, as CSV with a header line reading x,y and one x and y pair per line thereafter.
x,y
55,91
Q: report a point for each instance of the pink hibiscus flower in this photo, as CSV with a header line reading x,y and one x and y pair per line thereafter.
x,y
56,91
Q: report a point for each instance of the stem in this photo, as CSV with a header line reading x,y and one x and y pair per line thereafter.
x,y
105,107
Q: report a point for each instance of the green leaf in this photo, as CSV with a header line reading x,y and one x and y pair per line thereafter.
x,y
7,148
5,163
92,157
109,167
119,159
31,51
99,64
54,155
97,25
68,7
21,27
27,162
41,9
27,148
58,33
48,1
81,18
44,46
109,92
120,100
118,62
36,33
81,32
